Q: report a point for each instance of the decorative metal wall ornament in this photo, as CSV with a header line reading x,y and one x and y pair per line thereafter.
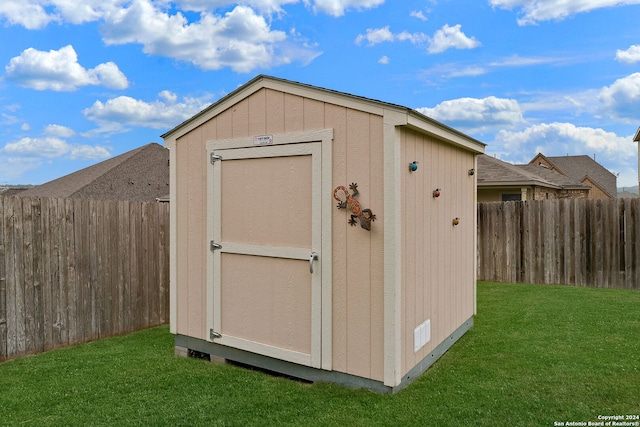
x,y
364,216
456,221
413,166
436,192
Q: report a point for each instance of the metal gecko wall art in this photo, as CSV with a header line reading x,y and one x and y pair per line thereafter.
x,y
364,216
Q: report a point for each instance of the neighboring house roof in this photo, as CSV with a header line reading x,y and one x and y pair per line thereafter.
x,y
13,190
493,172
636,138
582,168
400,116
627,195
141,174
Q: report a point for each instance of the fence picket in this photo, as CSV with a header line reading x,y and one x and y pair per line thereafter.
x,y
592,243
76,270
3,287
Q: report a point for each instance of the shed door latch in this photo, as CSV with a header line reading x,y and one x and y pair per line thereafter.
x,y
214,158
213,335
213,246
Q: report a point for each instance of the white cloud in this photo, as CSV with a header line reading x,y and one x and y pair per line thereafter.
x,y
470,71
452,70
267,6
525,61
50,148
445,38
88,152
629,56
451,37
533,11
338,7
622,98
561,103
110,76
59,131
559,139
30,15
36,14
241,39
418,14
383,60
168,96
116,114
59,70
477,115
79,12
375,36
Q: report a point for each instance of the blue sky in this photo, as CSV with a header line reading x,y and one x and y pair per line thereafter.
x,y
84,80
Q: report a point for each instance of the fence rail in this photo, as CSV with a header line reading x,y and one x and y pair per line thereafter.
x,y
594,243
75,270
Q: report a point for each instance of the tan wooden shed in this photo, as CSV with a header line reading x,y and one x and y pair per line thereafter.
x,y
267,271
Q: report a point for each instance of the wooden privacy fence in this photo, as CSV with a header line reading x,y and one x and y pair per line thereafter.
x,y
75,270
594,243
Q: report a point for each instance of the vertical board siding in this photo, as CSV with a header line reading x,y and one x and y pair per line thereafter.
x,y
336,118
358,248
191,219
357,279
78,270
437,257
578,242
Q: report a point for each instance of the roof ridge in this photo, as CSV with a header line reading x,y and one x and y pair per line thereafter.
x,y
64,186
122,158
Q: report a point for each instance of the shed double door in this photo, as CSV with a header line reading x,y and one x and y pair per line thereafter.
x,y
266,245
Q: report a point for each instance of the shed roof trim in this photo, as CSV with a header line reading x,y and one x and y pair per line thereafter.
x,y
411,118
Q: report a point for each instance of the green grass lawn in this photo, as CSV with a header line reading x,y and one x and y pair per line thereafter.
x,y
536,355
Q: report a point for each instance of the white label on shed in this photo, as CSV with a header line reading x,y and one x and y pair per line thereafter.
x,y
263,140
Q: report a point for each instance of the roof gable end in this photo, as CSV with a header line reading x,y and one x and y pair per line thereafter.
x,y
402,116
104,180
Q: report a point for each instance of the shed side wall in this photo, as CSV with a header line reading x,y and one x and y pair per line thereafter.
x,y
357,254
191,241
438,279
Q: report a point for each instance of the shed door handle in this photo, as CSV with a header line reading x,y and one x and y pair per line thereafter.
x,y
314,255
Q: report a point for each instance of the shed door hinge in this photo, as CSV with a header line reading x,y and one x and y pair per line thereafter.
x,y
213,335
213,246
214,158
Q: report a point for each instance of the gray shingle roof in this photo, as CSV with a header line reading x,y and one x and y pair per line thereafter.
x,y
492,171
141,174
579,167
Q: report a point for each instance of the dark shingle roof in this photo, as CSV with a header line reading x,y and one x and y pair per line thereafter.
x,y
141,174
579,167
492,171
